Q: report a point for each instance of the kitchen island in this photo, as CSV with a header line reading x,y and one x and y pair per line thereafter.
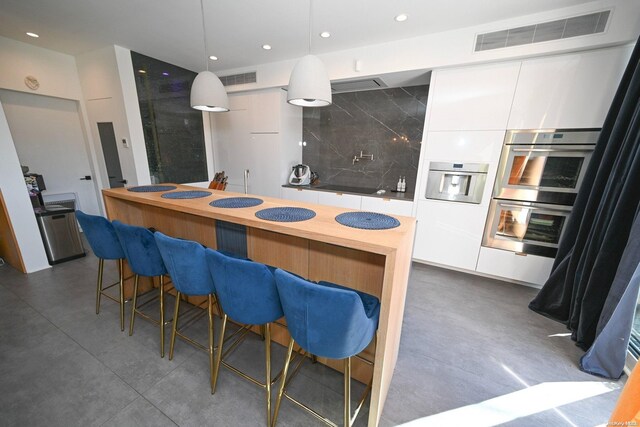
x,y
372,261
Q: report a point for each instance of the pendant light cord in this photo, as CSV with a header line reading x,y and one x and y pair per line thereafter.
x,y
310,5
204,32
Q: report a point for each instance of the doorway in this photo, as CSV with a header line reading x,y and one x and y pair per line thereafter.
x,y
110,153
49,139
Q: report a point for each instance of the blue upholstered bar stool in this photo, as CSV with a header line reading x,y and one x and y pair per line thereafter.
x,y
144,259
248,295
105,245
326,320
187,266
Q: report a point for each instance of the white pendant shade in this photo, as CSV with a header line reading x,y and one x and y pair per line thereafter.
x,y
208,93
309,84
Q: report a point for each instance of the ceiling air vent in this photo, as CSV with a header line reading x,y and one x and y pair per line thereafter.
x,y
358,85
238,79
582,25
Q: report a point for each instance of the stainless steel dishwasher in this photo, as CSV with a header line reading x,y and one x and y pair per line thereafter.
x,y
60,235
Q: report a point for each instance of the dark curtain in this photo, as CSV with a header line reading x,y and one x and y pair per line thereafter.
x,y
597,232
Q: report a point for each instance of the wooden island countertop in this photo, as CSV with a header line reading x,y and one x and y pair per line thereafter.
x,y
373,261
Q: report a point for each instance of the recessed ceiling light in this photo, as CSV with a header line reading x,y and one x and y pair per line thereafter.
x,y
213,58
325,34
34,35
142,71
164,73
401,18
266,46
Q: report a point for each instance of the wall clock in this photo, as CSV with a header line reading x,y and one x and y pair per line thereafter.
x,y
31,82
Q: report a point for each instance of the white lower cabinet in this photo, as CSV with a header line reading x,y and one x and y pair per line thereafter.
x,y
299,195
530,268
349,201
387,206
449,233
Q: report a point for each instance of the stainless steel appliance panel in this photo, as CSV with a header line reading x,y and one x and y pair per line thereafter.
x,y
545,166
60,235
525,227
552,136
456,182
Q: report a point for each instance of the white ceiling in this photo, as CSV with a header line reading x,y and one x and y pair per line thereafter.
x,y
170,30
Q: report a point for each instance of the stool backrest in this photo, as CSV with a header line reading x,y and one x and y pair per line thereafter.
x,y
101,236
140,249
246,289
326,321
186,264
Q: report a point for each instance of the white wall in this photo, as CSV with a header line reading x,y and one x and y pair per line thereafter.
x,y
58,77
454,48
48,137
18,204
102,90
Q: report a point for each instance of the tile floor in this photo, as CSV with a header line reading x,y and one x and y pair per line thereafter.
x,y
465,340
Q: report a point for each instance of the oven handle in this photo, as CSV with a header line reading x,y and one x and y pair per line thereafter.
x,y
550,150
533,208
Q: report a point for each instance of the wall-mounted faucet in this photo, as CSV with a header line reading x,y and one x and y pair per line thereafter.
x,y
357,158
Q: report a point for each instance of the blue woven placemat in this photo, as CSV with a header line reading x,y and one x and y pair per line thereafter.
x,y
191,194
236,202
152,188
286,214
367,220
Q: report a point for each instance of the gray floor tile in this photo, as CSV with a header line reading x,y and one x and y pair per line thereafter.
x,y
465,340
140,412
48,379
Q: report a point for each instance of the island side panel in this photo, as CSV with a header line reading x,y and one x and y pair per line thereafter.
x,y
396,279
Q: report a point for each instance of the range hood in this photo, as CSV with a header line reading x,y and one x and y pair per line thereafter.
x,y
387,80
369,83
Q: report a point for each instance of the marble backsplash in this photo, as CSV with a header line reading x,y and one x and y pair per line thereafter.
x,y
387,123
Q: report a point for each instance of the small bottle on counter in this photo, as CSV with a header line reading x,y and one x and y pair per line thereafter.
x,y
404,185
399,185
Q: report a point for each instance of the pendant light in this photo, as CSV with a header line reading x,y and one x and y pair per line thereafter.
x,y
207,91
309,84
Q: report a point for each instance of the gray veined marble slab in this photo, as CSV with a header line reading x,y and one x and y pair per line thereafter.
x,y
387,123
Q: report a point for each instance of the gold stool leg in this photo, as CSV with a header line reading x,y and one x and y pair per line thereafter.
x,y
174,327
121,278
211,364
133,304
219,359
267,348
347,392
282,382
161,315
99,285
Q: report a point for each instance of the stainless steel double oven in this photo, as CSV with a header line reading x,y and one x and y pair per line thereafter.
x,y
538,178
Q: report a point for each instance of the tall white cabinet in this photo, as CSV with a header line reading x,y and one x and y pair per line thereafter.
x,y
260,134
468,113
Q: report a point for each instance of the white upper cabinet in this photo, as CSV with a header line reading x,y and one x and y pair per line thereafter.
x,y
473,98
264,113
261,134
567,91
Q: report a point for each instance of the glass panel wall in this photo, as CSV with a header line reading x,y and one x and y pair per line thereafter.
x,y
173,131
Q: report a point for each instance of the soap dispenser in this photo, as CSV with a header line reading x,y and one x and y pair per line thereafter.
x,y
399,185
